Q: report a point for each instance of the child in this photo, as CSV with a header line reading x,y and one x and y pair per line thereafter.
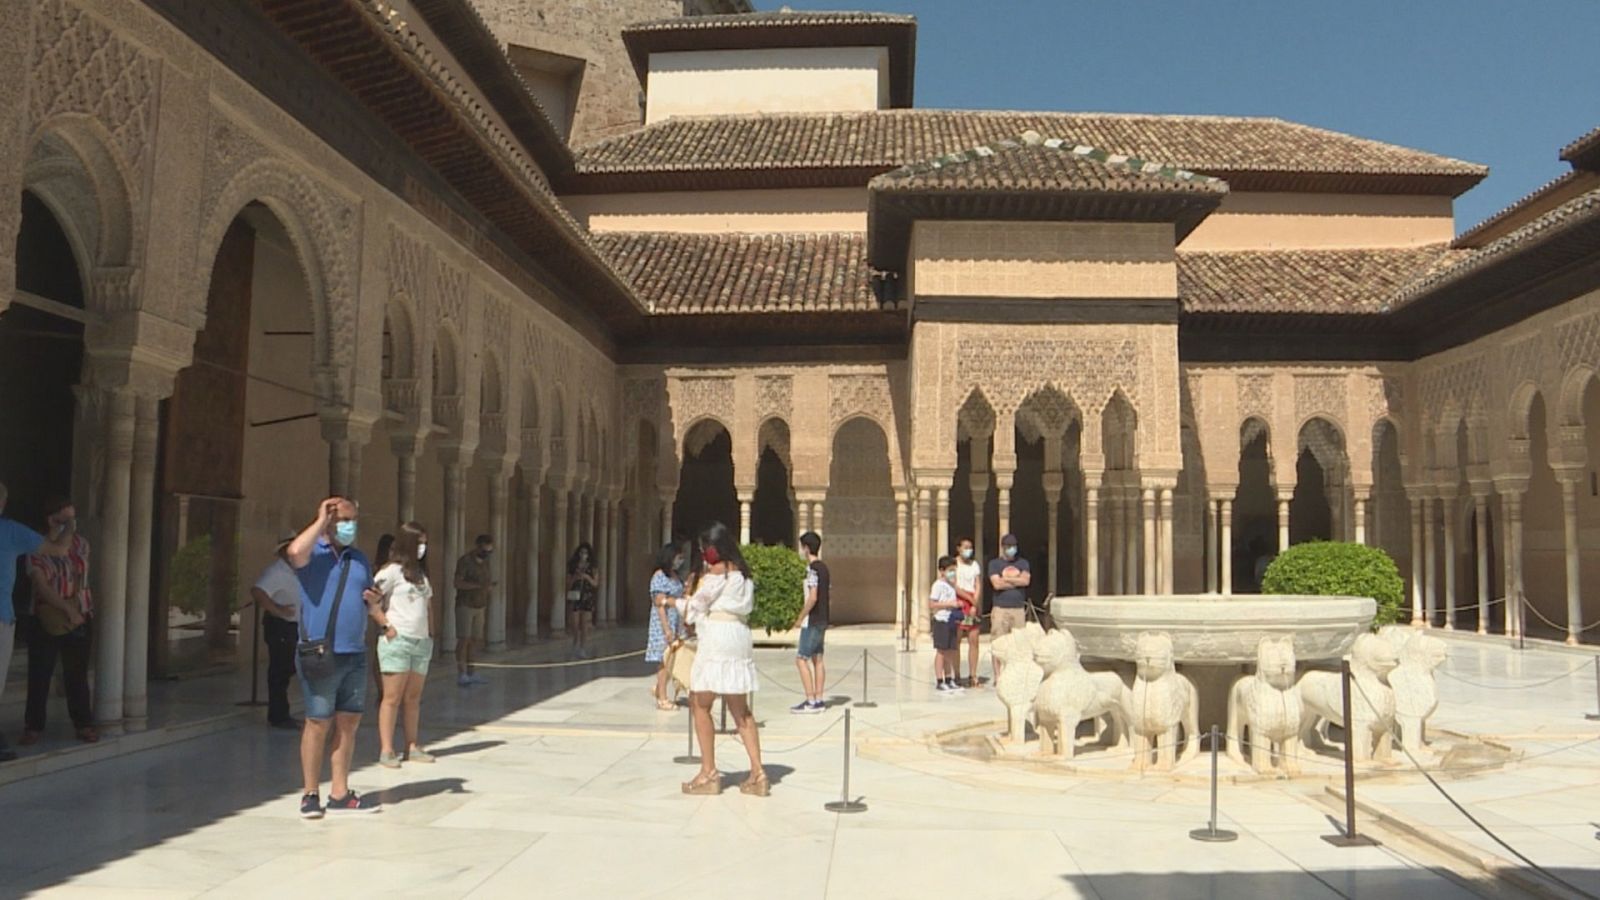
x,y
946,607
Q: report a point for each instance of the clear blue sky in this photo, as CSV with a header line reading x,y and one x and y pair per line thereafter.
x,y
1506,83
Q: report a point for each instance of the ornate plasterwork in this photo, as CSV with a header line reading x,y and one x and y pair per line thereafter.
x,y
1385,398
80,66
1577,342
1452,390
1320,395
1087,370
696,398
774,397
1255,397
450,289
860,395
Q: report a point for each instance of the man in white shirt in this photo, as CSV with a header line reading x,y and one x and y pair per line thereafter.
x,y
277,595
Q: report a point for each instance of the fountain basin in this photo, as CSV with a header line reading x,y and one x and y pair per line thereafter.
x,y
1213,629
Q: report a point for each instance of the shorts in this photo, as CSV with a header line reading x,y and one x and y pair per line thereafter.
x,y
470,622
344,691
1005,619
944,635
810,642
404,654
583,603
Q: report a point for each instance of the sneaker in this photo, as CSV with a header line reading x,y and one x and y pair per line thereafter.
x,y
352,803
464,680
801,708
942,687
816,706
956,688
419,755
310,807
389,760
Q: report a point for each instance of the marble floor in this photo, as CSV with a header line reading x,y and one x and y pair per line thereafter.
x,y
561,782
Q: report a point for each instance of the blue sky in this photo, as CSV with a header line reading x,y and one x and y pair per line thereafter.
x,y
1501,83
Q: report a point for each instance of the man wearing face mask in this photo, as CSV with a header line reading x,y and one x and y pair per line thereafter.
x,y
62,608
333,574
16,541
474,580
1010,576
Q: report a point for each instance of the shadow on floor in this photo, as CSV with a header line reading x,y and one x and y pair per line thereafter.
x,y
416,790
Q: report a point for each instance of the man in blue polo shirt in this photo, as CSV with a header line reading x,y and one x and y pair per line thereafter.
x,y
324,556
16,541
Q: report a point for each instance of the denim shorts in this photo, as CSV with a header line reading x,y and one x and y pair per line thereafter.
x,y
810,642
404,654
344,691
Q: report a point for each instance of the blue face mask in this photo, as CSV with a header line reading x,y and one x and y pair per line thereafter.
x,y
950,576
345,533
966,552
1009,553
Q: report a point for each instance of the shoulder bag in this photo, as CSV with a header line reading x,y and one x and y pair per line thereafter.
x,y
315,657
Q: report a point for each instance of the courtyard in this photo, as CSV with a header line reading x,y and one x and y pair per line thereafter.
x,y
560,781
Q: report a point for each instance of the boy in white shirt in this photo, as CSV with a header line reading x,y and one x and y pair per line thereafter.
x,y
946,608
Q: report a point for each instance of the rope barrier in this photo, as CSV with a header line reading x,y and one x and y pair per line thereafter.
x,y
558,665
1515,687
1541,617
825,690
737,741
1474,820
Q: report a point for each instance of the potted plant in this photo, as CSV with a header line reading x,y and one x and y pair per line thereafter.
x,y
780,577
1340,569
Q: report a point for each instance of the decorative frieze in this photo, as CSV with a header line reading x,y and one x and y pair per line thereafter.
x,y
1320,395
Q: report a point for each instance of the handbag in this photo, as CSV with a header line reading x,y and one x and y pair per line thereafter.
x,y
315,657
680,662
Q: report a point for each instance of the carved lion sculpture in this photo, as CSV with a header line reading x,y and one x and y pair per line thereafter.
x,y
1018,683
1160,703
1267,705
1371,699
1071,694
1416,695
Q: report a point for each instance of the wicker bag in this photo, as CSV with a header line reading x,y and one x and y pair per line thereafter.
x,y
680,661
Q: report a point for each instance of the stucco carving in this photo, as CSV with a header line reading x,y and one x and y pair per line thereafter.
x,y
1255,397
450,287
860,395
1087,370
1385,397
774,397
1320,395
695,398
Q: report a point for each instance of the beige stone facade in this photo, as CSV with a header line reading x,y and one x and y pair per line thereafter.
x,y
1039,365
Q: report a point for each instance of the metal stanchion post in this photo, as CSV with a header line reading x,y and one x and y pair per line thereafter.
x,y
865,703
689,758
1349,838
724,728
1211,834
844,804
1595,716
255,660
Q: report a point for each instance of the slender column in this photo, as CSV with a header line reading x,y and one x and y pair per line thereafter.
x,y
1480,535
339,467
1226,548
1119,539
923,566
1360,516
746,498
1150,585
530,627
499,501
455,478
900,562
1430,561
1448,508
1003,479
1131,547
1283,520
1053,482
1514,604
666,516
1211,546
1569,512
558,564
1091,538
816,516
110,613
979,485
1416,562
141,518
614,567
405,452
1167,580
941,519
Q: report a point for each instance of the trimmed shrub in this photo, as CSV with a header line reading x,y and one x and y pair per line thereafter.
x,y
1350,570
780,576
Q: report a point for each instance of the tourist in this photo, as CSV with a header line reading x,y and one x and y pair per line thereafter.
x,y
385,542
474,580
16,541
813,625
583,585
724,664
401,603
1010,576
277,594
666,589
969,590
945,605
334,575
62,610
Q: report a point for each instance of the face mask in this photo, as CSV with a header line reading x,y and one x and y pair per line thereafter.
x,y
485,552
1010,552
345,533
422,550
950,576
966,553
680,565
66,526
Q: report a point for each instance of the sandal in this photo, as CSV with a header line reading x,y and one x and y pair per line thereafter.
x,y
756,785
707,785
665,705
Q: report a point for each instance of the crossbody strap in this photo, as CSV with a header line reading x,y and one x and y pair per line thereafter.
x,y
338,597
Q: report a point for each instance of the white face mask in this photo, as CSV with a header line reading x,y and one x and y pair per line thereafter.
x,y
422,550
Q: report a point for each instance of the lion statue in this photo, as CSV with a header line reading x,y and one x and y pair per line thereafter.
x,y
1371,700
1160,703
1018,683
1416,695
1070,694
1267,705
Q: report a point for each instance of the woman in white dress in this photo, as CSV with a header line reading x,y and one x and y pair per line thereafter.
x,y
724,663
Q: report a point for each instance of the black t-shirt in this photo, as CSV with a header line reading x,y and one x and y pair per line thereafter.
x,y
1011,598
818,617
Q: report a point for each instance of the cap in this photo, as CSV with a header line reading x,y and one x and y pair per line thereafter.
x,y
1010,540
285,541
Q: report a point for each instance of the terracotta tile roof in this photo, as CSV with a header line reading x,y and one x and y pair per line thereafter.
x,y
1546,197
778,18
1584,153
744,273
1306,282
1035,163
1564,220
885,139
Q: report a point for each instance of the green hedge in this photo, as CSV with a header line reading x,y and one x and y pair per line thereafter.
x,y
1351,570
780,576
